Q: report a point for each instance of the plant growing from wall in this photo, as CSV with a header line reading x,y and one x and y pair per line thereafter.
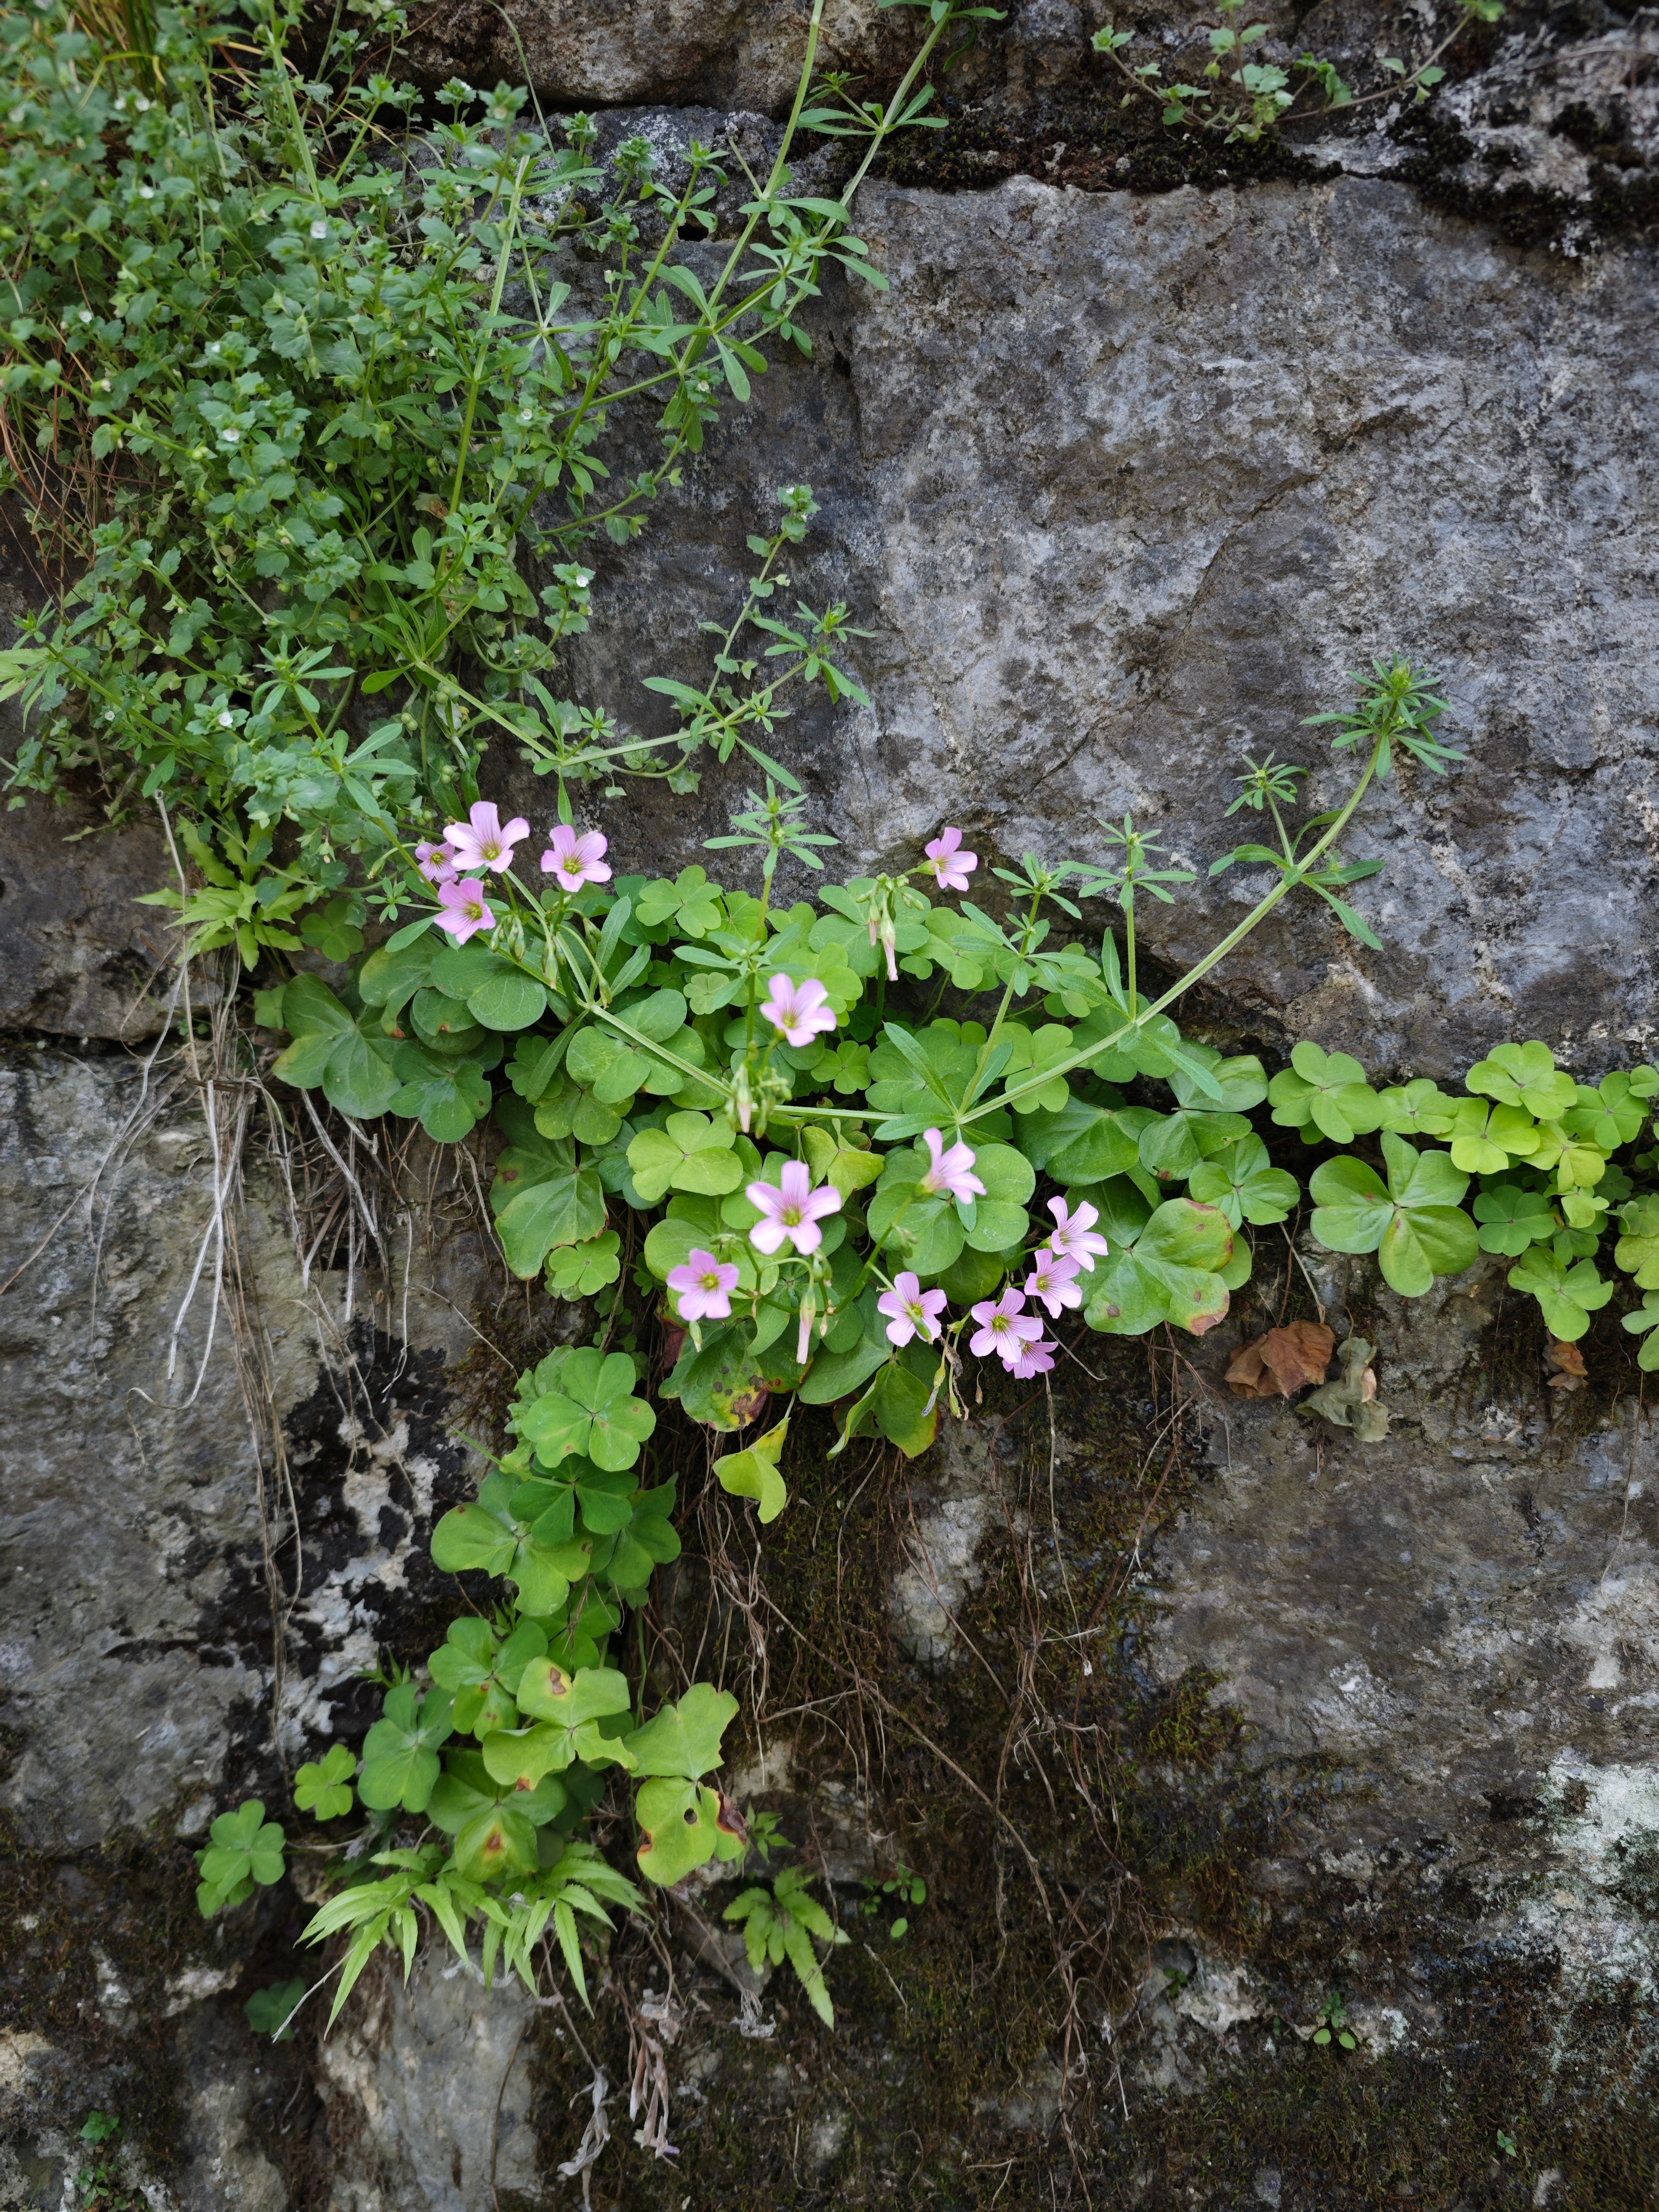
x,y
311,408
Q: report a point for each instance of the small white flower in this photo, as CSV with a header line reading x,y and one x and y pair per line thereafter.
x,y
142,105
226,720
231,437
86,314
320,228
146,191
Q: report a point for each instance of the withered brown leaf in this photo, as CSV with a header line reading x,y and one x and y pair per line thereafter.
x,y
1569,1361
1283,1361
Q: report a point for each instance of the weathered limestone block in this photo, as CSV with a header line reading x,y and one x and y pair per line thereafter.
x,y
1122,488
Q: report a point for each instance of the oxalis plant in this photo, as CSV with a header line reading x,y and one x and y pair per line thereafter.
x,y
310,407
747,1120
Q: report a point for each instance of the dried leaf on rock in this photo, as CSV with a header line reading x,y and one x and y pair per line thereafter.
x,y
1351,1401
1569,1361
1283,1361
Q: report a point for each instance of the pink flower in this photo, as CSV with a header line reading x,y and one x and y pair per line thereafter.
x,y
947,862
792,1212
1003,1328
949,1173
704,1286
464,912
480,842
437,863
1034,1359
911,1309
1053,1279
576,860
797,1009
1075,1236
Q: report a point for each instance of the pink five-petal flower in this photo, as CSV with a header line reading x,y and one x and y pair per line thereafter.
x,y
791,1210
799,1010
946,861
481,842
1003,1328
1054,1279
464,912
910,1310
1075,1236
437,863
704,1286
1034,1359
576,860
949,1174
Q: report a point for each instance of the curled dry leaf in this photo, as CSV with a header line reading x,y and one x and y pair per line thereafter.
x,y
1569,1362
1351,1401
1283,1361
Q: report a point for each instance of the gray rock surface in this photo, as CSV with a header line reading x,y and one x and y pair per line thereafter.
x,y
1122,489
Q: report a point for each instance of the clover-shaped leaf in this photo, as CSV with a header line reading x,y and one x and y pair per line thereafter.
x,y
486,1537
594,1411
1033,1051
1642,1323
1325,1093
448,1097
481,1673
691,902
1418,1108
576,1271
400,1752
843,1166
684,1738
270,2011
1512,1218
1083,1143
1486,1138
1245,1184
1167,1269
1524,1075
1568,1295
548,1197
1242,1083
1412,1222
754,1473
466,1790
244,1848
690,1152
322,1787
1637,1250
567,1711
330,1050
1609,1115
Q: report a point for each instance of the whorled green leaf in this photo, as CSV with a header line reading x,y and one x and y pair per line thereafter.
x,y
1242,1181
1512,1218
400,1752
1168,1270
594,1411
1413,1222
549,1197
1324,1094
1568,1295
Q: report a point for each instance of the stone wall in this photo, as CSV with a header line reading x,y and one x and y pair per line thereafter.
x,y
1143,448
